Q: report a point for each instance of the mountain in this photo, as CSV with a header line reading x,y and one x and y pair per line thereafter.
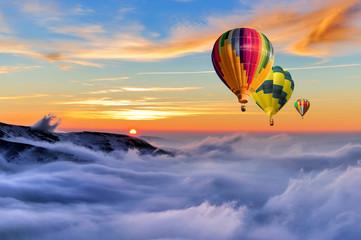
x,y
25,144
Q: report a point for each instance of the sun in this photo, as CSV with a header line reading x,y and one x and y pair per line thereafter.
x,y
133,131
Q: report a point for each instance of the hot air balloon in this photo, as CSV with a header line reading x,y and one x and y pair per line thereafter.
x,y
302,106
274,92
242,59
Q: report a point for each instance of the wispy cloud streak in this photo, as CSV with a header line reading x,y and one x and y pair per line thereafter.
x,y
10,69
105,102
288,68
165,73
108,79
143,89
321,67
34,96
23,97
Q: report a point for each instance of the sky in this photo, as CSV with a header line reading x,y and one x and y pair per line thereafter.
x,y
115,65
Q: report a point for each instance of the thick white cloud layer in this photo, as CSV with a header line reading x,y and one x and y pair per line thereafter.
x,y
242,186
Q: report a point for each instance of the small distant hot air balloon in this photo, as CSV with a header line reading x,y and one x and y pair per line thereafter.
x,y
302,106
274,92
242,59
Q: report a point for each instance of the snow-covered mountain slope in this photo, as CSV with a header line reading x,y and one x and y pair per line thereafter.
x,y
21,143
22,152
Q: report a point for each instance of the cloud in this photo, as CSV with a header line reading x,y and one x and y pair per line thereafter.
x,y
320,200
335,99
23,97
322,67
39,50
65,67
205,221
108,79
53,56
92,84
211,145
81,10
83,63
143,111
40,7
330,25
44,124
61,57
4,27
143,103
288,68
240,186
33,96
87,31
158,89
144,89
10,69
146,108
50,10
326,29
165,73
106,102
131,114
122,12
319,31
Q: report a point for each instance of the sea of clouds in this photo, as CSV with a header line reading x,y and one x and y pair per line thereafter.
x,y
235,186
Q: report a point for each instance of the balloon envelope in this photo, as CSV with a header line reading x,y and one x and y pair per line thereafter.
x,y
275,91
302,106
242,59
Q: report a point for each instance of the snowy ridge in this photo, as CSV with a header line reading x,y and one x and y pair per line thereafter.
x,y
21,143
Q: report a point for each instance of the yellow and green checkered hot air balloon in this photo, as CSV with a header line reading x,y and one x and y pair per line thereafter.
x,y
275,92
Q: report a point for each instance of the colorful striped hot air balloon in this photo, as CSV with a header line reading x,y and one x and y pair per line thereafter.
x,y
302,106
275,92
242,58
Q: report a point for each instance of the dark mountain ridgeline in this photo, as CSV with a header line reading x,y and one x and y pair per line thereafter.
x,y
13,148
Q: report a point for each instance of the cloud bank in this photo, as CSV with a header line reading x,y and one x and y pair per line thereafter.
x,y
242,186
